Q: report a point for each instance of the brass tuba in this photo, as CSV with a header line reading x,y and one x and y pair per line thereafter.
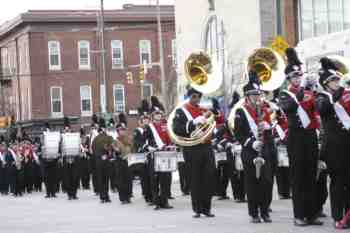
x,y
204,75
269,66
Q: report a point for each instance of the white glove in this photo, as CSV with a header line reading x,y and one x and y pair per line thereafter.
x,y
151,149
199,120
259,160
257,145
220,147
321,165
229,145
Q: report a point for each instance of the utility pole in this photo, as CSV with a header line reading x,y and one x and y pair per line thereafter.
x,y
103,85
161,57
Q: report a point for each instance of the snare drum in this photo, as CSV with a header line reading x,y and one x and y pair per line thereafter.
x,y
136,158
165,161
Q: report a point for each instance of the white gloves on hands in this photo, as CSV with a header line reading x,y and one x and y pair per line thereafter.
x,y
151,149
220,147
259,161
321,165
257,145
199,120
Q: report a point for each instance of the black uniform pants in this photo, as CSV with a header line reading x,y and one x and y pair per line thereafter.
x,y
71,177
29,176
283,181
51,177
19,184
202,165
85,173
142,171
94,173
184,177
123,180
336,154
161,184
4,186
104,177
303,154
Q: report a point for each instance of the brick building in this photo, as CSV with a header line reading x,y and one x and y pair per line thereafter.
x,y
51,60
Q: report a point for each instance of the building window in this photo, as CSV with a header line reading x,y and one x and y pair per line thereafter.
x,y
56,102
86,100
145,51
119,98
147,90
336,16
173,52
346,7
117,54
320,17
84,54
54,55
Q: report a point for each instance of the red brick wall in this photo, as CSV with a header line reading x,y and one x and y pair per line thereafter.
x,y
70,78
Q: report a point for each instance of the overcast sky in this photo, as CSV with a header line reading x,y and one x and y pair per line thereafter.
x,y
11,8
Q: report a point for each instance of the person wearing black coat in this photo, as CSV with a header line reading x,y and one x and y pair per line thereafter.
x,y
333,105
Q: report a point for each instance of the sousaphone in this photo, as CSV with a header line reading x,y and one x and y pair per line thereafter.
x,y
204,75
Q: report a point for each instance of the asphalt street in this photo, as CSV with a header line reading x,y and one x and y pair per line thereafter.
x,y
33,213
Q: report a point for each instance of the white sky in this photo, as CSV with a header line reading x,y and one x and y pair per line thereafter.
x,y
11,8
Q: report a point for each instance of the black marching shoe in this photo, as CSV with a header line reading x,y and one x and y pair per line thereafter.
x,y
266,218
300,222
196,215
157,207
167,206
208,214
255,220
314,222
108,200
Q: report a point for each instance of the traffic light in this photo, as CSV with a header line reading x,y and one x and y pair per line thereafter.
x,y
142,73
129,78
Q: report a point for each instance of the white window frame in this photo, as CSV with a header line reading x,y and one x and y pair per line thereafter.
x,y
149,51
59,66
151,87
56,114
119,86
84,66
119,65
86,113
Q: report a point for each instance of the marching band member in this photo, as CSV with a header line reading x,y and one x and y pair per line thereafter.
x,y
18,179
333,105
283,171
253,131
93,159
158,139
85,160
3,177
224,141
142,170
199,157
103,151
50,173
71,168
123,148
302,145
38,176
29,166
